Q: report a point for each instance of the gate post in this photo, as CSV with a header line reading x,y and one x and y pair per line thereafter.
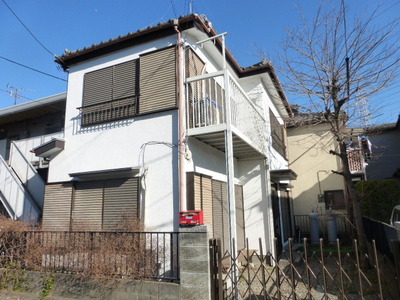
x,y
194,263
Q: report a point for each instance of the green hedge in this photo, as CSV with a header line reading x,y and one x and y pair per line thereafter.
x,y
378,197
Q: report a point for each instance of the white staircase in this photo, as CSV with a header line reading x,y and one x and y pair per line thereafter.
x,y
21,187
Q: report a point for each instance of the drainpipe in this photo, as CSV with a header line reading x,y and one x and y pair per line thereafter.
x,y
181,116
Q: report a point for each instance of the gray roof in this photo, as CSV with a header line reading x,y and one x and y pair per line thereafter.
x,y
33,108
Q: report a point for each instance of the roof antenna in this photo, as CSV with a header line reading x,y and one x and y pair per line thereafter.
x,y
190,7
15,93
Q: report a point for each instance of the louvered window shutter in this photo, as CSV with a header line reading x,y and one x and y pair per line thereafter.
x,y
110,93
88,206
124,80
239,217
194,65
121,206
218,221
57,206
158,81
98,86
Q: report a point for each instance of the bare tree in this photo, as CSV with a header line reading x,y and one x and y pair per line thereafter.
x,y
334,65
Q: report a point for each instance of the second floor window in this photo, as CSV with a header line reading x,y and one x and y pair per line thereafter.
x,y
110,93
277,134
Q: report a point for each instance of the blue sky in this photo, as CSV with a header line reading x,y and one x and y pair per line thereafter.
x,y
73,24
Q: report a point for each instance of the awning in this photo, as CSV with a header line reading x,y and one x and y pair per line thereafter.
x,y
105,174
283,174
52,147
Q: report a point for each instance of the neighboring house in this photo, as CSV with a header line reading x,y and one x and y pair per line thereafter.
x,y
160,121
385,156
317,187
22,174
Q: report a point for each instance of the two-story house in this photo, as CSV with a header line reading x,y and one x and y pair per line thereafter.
x,y
164,120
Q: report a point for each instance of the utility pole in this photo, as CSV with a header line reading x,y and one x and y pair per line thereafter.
x,y
15,93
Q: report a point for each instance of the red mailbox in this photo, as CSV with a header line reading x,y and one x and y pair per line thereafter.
x,y
191,217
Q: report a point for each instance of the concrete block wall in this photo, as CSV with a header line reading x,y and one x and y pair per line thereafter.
x,y
194,263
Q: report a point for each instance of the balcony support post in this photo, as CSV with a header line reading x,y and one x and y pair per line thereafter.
x,y
230,172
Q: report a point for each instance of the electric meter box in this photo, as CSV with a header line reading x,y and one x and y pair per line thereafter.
x,y
191,218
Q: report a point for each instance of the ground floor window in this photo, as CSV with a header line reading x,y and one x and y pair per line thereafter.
x,y
92,205
211,196
335,199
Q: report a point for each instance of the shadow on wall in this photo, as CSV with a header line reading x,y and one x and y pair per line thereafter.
x,y
77,129
256,170
329,191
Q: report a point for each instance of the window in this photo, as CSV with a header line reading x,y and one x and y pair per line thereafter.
x,y
209,195
110,93
334,199
113,93
105,204
158,81
92,205
277,134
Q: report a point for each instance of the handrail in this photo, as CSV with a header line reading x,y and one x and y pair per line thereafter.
x,y
24,158
8,207
21,189
206,106
246,97
39,183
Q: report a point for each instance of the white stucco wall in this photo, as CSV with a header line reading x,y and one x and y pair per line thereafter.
x,y
147,142
207,160
253,176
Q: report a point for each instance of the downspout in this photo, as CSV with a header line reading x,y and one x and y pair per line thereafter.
x,y
181,116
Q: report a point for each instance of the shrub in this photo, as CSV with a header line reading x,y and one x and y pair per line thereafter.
x,y
378,198
121,253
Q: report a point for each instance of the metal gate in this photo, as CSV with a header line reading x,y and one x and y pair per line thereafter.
x,y
310,272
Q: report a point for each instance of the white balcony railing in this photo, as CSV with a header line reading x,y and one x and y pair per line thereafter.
x,y
206,106
246,117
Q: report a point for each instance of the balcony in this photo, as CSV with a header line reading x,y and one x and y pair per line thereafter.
x,y
357,162
113,110
207,115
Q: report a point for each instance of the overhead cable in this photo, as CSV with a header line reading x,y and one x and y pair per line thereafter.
x,y
30,32
30,68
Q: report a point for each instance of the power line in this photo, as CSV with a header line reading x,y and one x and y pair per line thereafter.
x,y
173,8
30,68
30,32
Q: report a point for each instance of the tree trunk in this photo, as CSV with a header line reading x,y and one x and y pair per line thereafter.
x,y
353,198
